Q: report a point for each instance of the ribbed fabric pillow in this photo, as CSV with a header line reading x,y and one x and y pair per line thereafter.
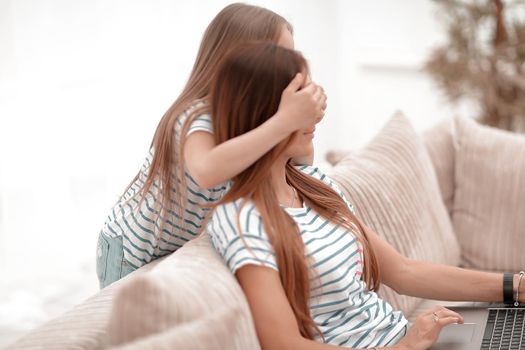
x,y
489,201
440,145
187,288
439,142
392,184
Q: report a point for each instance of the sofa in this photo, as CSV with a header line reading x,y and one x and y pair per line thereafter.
x,y
454,194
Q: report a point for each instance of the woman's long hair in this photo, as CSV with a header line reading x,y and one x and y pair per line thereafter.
x,y
246,91
235,24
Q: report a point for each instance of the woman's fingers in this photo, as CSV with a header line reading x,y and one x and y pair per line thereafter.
x,y
425,330
444,313
447,320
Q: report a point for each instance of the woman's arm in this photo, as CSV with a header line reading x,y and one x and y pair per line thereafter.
x,y
434,281
274,319
211,164
276,325
275,322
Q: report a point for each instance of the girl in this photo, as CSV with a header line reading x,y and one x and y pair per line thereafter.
x,y
308,267
162,208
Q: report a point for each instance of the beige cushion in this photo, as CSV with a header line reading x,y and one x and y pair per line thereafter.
x,y
210,332
187,287
334,156
489,201
439,142
394,189
440,145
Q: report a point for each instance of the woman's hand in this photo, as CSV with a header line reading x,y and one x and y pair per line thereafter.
x,y
301,108
425,331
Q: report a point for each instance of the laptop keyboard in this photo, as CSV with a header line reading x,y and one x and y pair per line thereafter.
x,y
504,330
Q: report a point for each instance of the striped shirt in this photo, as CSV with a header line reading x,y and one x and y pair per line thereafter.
x,y
140,227
347,314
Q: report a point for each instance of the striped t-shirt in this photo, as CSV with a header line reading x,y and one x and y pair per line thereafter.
x,y
140,227
347,314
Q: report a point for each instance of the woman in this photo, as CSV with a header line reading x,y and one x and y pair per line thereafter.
x,y
163,207
308,267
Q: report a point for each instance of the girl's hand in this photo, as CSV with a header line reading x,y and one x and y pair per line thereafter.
x,y
301,108
425,331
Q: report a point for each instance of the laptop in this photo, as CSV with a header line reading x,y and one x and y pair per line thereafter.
x,y
487,326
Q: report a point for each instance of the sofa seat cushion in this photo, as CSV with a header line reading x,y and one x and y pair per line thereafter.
x,y
394,189
186,288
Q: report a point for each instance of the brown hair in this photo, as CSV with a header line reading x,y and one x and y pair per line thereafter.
x,y
247,90
235,24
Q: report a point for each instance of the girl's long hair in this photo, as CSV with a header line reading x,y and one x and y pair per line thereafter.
x,y
235,24
246,91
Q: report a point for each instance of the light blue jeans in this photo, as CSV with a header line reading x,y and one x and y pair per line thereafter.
x,y
111,265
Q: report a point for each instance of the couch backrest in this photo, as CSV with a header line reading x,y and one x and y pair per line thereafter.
x,y
189,288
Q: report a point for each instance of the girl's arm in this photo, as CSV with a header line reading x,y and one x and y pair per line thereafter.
x,y
211,164
434,281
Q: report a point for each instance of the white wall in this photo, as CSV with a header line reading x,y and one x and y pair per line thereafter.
x,y
383,45
84,83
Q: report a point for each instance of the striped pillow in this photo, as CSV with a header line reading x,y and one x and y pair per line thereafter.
x,y
393,186
489,200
